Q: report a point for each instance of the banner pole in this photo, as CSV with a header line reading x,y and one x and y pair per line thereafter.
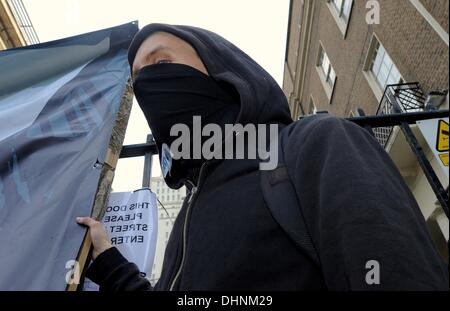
x,y
106,179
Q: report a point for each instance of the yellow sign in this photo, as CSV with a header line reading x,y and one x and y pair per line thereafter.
x,y
444,158
442,137
435,132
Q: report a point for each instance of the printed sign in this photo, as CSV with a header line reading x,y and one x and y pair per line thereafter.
x,y
131,221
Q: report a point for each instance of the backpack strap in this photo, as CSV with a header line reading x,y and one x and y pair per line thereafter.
x,y
281,199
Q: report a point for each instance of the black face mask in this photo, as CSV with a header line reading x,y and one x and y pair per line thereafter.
x,y
173,93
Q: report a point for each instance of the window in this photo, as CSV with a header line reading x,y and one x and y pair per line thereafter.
x,y
382,67
325,66
326,72
341,10
379,69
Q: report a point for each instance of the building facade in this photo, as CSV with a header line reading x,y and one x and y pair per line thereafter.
x,y
343,55
16,28
171,200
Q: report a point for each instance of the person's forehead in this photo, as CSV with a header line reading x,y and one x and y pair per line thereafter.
x,y
159,41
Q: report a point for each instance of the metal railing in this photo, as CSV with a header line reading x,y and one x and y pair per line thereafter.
x,y
398,98
23,21
411,111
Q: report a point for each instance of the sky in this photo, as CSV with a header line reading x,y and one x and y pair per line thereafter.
x,y
258,27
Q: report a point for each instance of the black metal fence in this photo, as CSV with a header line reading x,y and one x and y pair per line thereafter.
x,y
398,98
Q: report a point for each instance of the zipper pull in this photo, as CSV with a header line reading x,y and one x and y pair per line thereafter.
x,y
193,191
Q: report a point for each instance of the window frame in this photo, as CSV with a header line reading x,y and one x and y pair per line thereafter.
x,y
328,83
342,20
370,75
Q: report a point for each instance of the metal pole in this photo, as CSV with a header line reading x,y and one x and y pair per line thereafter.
x,y
147,165
138,150
428,170
396,118
367,127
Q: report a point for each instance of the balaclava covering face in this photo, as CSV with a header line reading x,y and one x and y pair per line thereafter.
x,y
170,94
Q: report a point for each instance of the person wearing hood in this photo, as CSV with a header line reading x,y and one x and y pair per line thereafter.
x,y
361,227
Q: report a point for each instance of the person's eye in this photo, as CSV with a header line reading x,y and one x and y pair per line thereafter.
x,y
163,61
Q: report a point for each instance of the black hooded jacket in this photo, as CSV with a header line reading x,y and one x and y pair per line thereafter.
x,y
356,205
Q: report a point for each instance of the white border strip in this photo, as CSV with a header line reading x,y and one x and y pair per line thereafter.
x,y
430,19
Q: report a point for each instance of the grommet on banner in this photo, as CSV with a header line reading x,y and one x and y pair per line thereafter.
x,y
98,165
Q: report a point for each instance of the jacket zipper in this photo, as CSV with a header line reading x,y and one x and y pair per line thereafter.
x,y
190,201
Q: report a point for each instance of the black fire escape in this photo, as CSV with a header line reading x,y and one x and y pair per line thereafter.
x,y
399,98
402,105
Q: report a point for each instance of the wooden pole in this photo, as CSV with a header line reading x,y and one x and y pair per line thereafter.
x,y
106,177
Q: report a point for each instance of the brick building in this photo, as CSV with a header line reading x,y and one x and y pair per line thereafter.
x,y
342,55
16,28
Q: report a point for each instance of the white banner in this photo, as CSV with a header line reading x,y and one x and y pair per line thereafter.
x,y
131,221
